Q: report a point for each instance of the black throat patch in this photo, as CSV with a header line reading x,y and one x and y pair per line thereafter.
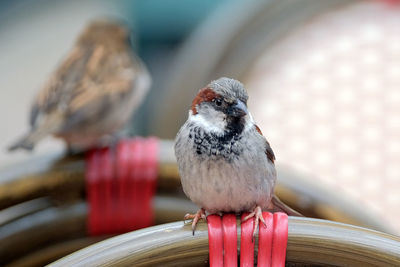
x,y
214,146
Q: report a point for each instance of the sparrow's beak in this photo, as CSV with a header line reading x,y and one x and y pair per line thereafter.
x,y
238,109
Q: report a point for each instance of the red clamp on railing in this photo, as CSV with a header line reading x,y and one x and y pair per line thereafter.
x,y
230,240
120,185
279,239
215,241
272,240
246,242
265,236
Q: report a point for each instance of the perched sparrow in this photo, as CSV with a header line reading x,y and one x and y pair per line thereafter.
x,y
225,163
93,93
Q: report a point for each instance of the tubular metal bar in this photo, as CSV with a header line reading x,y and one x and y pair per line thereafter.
x,y
311,241
34,231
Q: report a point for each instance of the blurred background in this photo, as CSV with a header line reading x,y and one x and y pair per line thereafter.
x,y
323,79
36,35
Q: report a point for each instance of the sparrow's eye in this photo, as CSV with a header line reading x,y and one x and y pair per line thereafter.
x,y
218,101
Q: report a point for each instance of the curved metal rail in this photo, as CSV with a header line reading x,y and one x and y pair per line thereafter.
x,y
311,241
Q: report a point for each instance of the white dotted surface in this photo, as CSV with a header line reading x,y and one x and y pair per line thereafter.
x,y
327,97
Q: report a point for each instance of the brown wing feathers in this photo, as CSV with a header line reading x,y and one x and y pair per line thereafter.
x,y
268,149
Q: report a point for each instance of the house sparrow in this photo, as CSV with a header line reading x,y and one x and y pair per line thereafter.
x,y
93,93
225,163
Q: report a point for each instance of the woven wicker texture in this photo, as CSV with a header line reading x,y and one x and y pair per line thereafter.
x,y
327,97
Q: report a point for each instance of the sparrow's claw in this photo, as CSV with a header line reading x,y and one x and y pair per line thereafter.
x,y
257,213
200,214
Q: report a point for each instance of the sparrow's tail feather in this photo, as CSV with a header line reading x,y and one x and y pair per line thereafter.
x,y
50,124
278,205
28,141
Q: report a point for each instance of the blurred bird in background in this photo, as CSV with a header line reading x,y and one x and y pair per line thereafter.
x,y
93,93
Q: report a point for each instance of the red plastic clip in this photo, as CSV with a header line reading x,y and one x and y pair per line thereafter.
x,y
98,181
230,240
215,241
123,174
265,237
246,242
150,179
272,240
121,185
279,239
